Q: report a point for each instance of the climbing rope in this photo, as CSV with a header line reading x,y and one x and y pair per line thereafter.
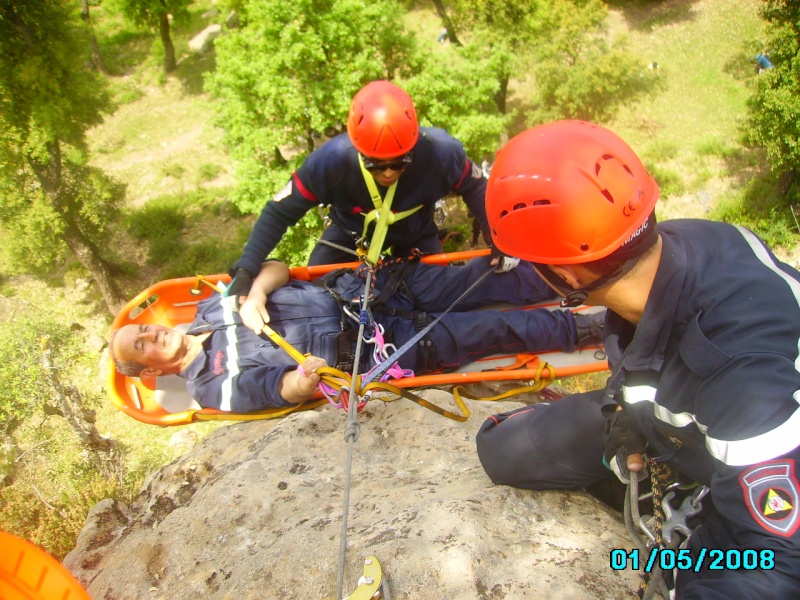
x,y
351,434
352,428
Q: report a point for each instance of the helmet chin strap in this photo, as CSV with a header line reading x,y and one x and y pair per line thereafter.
x,y
573,297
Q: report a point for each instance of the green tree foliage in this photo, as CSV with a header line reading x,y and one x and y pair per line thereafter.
x,y
50,199
287,76
155,15
579,73
456,90
774,120
504,32
41,227
562,45
23,384
49,478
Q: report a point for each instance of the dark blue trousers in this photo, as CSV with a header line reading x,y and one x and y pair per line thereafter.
x,y
464,336
546,446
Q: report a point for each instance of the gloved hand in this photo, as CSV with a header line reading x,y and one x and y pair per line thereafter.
x,y
624,440
502,262
239,287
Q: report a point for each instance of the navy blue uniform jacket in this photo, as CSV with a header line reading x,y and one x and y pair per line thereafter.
x,y
711,376
331,176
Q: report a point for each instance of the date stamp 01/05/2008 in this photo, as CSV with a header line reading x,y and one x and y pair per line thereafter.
x,y
668,559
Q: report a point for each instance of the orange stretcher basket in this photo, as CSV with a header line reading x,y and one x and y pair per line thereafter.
x,y
172,303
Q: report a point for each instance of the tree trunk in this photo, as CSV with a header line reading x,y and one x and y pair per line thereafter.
x,y
49,176
89,258
97,59
48,173
166,40
451,30
501,94
786,181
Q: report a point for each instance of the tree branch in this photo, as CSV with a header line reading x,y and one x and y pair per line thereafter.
x,y
47,504
70,404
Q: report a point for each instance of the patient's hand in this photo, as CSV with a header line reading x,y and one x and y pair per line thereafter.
x,y
254,311
299,385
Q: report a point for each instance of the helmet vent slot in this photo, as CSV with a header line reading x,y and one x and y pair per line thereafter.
x,y
608,195
518,206
541,202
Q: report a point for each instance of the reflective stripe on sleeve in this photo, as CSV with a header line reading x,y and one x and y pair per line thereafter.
x,y
765,446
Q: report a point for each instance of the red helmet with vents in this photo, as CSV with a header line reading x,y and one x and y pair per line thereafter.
x,y
567,192
382,122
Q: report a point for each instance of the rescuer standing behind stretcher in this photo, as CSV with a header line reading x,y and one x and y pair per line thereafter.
x,y
385,157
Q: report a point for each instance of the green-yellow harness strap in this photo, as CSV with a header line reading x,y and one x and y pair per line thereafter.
x,y
382,212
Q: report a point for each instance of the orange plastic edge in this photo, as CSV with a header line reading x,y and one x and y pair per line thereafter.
x,y
29,573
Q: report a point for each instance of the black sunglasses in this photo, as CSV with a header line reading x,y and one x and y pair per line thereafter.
x,y
396,165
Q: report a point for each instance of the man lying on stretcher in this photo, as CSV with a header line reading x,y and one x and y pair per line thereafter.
x,y
229,365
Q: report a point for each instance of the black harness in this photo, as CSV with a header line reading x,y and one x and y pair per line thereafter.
x,y
399,270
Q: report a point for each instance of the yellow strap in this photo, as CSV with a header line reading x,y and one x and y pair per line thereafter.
x,y
393,216
270,413
384,211
290,350
537,385
338,379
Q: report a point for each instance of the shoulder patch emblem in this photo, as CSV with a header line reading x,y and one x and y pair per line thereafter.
x,y
284,193
771,495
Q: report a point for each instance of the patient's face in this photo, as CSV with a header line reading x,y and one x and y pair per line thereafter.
x,y
160,348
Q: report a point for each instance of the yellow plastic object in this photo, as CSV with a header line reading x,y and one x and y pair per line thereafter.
x,y
29,573
370,583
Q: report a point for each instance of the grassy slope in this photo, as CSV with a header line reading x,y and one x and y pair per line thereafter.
x,y
163,143
704,52
162,139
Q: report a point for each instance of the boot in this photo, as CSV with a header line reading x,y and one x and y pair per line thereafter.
x,y
589,327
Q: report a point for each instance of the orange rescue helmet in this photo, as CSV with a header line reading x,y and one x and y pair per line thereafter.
x,y
382,122
568,192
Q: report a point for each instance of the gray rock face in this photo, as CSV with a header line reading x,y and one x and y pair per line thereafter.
x,y
254,511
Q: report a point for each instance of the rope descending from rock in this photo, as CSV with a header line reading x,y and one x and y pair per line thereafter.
x,y
352,432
